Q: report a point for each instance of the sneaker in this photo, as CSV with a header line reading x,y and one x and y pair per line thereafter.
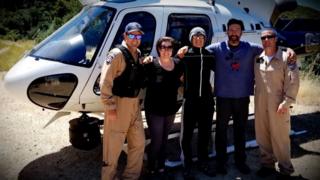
x,y
205,169
243,168
265,172
221,169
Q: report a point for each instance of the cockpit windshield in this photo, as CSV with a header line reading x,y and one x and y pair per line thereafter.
x,y
78,41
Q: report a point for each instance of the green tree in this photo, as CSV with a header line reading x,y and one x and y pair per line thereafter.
x,y
35,19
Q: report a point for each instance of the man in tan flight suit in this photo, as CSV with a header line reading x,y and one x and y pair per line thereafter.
x,y
277,84
120,83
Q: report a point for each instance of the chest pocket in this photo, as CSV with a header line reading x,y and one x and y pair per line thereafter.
x,y
276,66
275,70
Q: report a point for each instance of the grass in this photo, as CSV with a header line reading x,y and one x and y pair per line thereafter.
x,y
12,51
309,91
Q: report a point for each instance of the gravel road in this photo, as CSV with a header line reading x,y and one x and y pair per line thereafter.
x,y
29,151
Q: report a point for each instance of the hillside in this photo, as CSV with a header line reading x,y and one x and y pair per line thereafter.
x,y
301,12
34,19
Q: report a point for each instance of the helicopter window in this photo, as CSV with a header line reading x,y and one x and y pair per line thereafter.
x,y
252,28
77,42
96,86
179,26
224,27
148,23
258,27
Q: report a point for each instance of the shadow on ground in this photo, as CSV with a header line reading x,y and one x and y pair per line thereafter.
x,y
68,163
310,123
71,163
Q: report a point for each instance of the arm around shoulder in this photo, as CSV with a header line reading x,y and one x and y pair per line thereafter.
x,y
292,83
181,52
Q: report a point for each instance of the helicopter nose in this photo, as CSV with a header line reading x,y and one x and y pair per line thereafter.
x,y
15,81
40,83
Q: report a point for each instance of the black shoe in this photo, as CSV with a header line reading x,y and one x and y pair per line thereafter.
x,y
205,169
162,175
188,175
221,169
265,172
284,177
151,174
243,168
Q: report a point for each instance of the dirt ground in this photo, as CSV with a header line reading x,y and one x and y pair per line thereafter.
x,y
30,151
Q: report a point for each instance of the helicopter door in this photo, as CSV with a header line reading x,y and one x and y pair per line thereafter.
x,y
180,21
150,20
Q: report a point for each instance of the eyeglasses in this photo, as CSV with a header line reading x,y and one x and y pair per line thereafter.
x,y
199,37
134,36
165,47
268,36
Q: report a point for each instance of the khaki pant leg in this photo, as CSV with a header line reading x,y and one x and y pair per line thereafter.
x,y
113,138
262,130
280,129
136,144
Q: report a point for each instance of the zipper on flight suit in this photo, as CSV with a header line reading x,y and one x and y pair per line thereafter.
x,y
201,69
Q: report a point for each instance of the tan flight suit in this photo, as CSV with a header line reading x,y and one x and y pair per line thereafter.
x,y
276,83
127,125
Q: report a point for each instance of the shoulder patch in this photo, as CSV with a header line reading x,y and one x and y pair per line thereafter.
x,y
112,54
110,57
259,60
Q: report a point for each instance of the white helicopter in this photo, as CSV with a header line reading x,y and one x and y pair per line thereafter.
x,y
62,72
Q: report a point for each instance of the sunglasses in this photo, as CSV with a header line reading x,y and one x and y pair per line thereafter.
x,y
268,36
165,47
134,36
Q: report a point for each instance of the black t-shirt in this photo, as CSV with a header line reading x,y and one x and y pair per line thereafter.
x,y
161,88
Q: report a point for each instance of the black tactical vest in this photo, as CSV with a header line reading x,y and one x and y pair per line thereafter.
x,y
128,84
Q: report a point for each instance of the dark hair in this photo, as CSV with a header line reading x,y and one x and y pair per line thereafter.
x,y
236,21
163,39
